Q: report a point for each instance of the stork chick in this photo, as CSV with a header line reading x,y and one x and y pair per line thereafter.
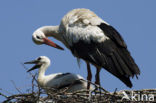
x,y
57,81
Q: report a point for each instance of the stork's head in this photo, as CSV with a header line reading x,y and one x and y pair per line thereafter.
x,y
42,60
39,37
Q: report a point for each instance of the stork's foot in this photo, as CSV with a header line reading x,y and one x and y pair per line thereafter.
x,y
97,86
97,82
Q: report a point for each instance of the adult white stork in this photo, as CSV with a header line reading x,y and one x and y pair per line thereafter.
x,y
93,40
58,80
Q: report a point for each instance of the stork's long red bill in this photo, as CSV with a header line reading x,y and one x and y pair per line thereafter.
x,y
50,43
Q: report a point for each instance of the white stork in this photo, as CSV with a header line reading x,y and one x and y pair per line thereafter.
x,y
58,80
92,39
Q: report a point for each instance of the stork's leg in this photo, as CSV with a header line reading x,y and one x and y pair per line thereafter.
x,y
97,76
89,75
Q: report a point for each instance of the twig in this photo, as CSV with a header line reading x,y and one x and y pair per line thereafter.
x,y
6,92
17,95
29,72
39,91
32,82
115,91
3,95
95,85
16,86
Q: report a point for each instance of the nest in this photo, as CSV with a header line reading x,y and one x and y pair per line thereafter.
x,y
61,96
36,94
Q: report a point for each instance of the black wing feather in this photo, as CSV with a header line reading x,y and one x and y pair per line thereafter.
x,y
61,75
112,34
111,54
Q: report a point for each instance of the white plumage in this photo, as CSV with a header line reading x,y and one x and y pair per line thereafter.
x,y
92,39
57,80
81,24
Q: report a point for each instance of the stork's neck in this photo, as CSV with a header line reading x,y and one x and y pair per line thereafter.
x,y
52,31
41,73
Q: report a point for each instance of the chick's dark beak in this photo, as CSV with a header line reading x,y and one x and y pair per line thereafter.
x,y
32,62
34,67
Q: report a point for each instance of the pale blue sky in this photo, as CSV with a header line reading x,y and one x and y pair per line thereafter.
x,y
134,19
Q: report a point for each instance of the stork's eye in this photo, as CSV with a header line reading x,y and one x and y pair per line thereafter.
x,y
38,37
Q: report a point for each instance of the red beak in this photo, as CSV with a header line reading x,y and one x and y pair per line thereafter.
x,y
50,43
